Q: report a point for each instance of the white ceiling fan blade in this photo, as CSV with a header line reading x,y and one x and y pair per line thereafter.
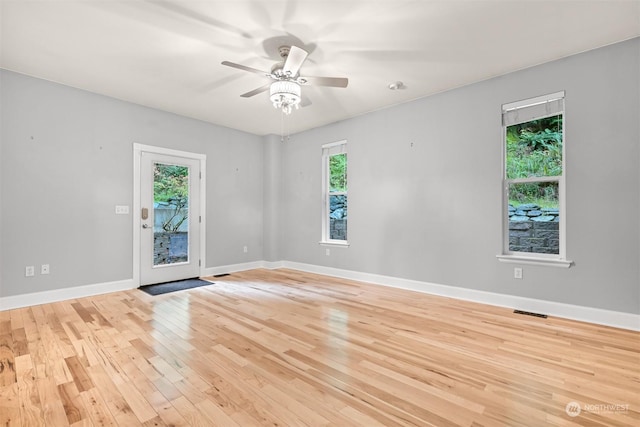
x,y
294,61
256,91
324,81
245,68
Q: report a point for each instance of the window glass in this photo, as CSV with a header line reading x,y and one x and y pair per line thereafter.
x,y
534,217
338,170
338,217
534,176
334,227
535,148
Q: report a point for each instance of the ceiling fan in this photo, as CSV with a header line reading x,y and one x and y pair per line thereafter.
x,y
284,91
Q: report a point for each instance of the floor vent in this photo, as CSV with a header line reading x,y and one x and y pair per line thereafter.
x,y
222,275
528,313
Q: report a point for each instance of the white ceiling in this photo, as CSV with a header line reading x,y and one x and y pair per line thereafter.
x,y
167,55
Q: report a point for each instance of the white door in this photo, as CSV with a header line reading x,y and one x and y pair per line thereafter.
x,y
170,218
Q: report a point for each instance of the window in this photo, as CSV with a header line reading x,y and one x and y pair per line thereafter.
x,y
334,215
534,190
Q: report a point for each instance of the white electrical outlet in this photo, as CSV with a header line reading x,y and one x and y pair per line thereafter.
x,y
327,251
29,271
517,273
245,249
44,269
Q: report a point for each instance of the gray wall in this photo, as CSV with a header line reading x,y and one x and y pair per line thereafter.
x,y
419,171
67,160
1,181
272,195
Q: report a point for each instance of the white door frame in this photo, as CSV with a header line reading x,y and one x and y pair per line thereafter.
x,y
138,149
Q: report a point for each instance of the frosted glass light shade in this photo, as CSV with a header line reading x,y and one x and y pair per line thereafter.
x,y
285,95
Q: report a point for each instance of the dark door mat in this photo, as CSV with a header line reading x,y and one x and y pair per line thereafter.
x,y
179,285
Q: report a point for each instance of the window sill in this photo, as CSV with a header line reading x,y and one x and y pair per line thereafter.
x,y
337,243
532,260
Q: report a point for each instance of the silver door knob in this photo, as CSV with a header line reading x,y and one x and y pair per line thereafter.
x,y
145,226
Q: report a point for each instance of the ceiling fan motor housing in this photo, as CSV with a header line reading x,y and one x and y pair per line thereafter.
x,y
276,70
284,51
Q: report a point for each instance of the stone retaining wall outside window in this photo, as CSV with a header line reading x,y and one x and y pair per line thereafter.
x,y
534,229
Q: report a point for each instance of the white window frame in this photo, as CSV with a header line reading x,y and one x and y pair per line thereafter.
x,y
328,150
522,112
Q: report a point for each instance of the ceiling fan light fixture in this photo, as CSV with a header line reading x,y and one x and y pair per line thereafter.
x,y
284,91
285,95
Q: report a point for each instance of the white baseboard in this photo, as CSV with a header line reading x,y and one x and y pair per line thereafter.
x,y
232,268
62,294
568,311
273,265
45,297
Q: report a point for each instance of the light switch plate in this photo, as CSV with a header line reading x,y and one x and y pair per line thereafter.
x,y
122,210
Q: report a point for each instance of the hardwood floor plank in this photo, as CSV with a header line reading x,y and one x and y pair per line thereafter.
x,y
171,417
190,413
7,360
52,405
215,415
239,404
286,348
16,317
143,366
72,402
137,402
10,414
20,342
165,369
97,409
80,377
31,412
109,391
85,422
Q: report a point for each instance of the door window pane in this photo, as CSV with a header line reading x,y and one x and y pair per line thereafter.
x,y
171,214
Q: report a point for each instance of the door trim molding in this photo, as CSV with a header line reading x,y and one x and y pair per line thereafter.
x,y
138,149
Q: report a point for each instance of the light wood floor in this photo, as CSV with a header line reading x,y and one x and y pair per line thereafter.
x,y
285,348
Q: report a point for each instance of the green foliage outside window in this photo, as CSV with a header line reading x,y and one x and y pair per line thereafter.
x,y
338,172
534,149
171,187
